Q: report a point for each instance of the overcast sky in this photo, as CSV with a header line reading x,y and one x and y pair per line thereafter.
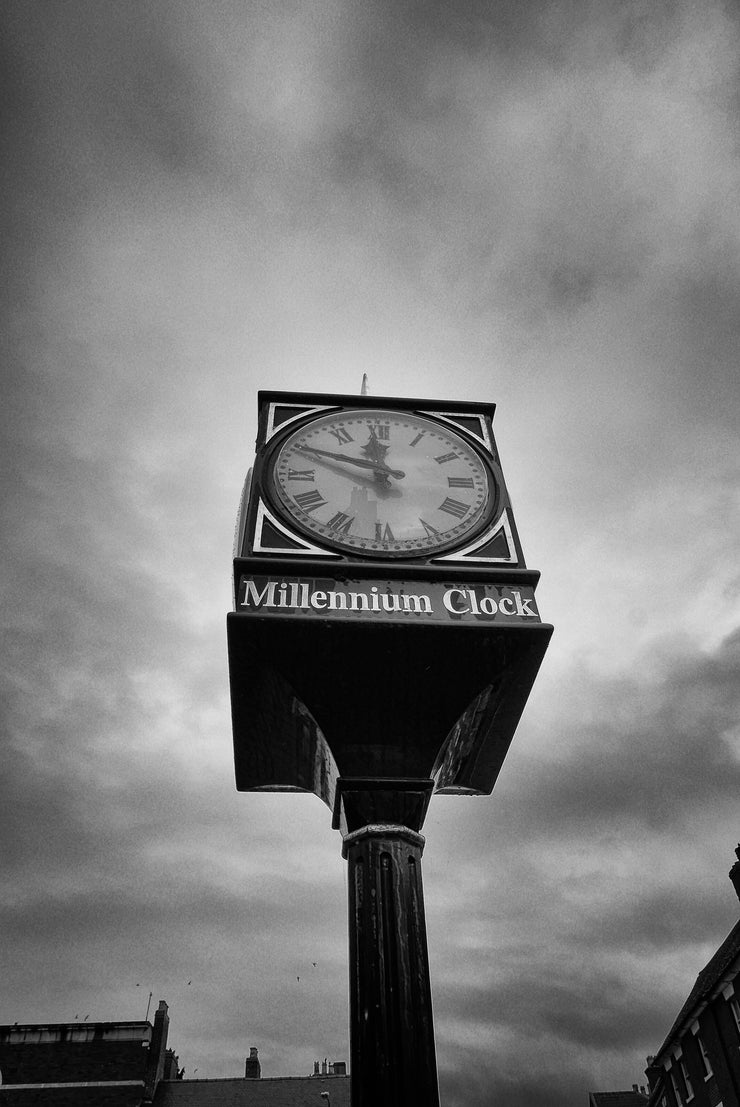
x,y
535,204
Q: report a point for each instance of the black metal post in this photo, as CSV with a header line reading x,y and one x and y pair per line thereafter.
x,y
393,1057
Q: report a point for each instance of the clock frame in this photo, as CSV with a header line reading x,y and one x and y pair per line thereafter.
x,y
267,529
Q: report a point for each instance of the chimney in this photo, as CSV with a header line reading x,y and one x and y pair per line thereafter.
x,y
323,1066
735,873
316,1068
653,1072
171,1065
252,1069
157,1052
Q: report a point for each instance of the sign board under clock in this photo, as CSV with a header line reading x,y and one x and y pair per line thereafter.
x,y
394,601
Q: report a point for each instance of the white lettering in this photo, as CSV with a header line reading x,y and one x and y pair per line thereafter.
x,y
522,606
450,604
266,596
417,604
479,600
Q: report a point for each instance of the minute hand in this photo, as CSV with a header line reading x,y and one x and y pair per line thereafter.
x,y
376,466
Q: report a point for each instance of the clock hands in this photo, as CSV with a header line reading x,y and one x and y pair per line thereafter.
x,y
379,482
376,466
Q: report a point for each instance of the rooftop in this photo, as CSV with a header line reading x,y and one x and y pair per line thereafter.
x,y
723,962
17,1033
283,1091
617,1099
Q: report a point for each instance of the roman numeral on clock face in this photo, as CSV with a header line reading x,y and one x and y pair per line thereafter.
x,y
309,501
341,522
431,531
384,533
445,457
460,482
454,507
342,435
301,474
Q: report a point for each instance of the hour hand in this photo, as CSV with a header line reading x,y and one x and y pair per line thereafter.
x,y
363,463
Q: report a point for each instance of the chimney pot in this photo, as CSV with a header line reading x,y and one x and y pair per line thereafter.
x,y
252,1068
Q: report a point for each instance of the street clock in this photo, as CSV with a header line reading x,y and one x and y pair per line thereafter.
x,y
376,549
384,640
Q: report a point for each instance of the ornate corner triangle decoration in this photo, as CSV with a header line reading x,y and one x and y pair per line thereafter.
x,y
273,537
495,547
275,422
473,424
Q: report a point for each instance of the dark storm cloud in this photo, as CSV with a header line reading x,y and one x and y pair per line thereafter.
x,y
655,754
628,753
91,85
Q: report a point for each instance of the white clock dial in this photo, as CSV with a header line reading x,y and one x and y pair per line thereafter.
x,y
382,482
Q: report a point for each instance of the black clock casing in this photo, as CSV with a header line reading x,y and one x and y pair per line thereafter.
x,y
397,652
269,529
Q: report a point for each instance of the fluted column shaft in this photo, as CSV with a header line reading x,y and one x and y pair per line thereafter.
x,y
391,1025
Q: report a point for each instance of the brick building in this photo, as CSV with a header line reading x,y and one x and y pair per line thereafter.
x,y
100,1064
698,1064
128,1064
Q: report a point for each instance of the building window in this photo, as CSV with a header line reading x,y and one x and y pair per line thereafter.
x,y
704,1057
676,1089
735,1008
686,1079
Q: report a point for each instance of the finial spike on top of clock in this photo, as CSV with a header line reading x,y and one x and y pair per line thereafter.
x,y
363,389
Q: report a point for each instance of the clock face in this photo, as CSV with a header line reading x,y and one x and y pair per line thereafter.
x,y
380,482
